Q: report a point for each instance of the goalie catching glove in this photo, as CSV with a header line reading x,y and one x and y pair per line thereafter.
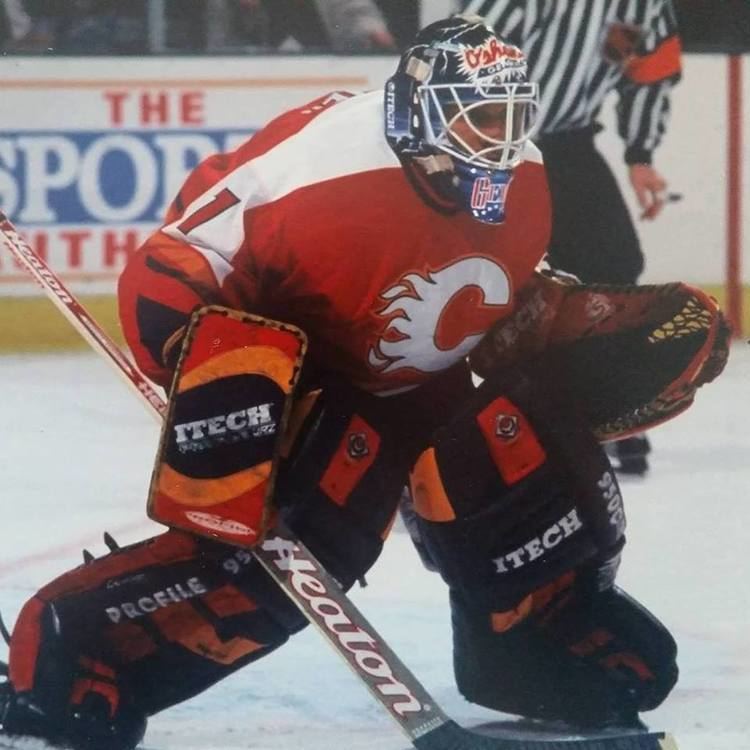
x,y
630,357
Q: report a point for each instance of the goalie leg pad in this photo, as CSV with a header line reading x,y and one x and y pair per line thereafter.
x,y
514,492
146,627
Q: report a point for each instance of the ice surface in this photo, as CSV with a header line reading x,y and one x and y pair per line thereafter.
x,y
75,458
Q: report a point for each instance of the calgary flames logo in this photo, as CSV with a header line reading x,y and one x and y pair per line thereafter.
x,y
435,319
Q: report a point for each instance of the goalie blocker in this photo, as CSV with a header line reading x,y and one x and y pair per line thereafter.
x,y
517,508
228,409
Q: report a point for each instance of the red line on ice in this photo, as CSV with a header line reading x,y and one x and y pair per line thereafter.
x,y
63,550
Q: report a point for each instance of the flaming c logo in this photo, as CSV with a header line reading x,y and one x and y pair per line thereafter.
x,y
435,318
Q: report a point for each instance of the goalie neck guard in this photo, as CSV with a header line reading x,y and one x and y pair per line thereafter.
x,y
461,91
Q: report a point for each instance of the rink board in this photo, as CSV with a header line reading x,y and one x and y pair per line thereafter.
x,y
31,324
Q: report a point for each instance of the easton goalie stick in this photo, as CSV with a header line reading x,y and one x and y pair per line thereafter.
x,y
315,591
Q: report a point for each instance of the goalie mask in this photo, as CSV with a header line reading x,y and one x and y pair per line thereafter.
x,y
461,91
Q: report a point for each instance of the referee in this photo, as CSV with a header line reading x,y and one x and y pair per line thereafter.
x,y
579,51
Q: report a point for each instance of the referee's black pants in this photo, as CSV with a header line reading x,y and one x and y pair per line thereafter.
x,y
593,236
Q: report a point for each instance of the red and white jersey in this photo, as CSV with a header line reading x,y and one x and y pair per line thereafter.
x,y
314,222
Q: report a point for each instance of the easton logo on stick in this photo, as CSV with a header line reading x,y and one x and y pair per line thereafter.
x,y
19,247
331,616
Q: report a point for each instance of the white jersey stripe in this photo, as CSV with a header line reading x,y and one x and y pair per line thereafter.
x,y
286,168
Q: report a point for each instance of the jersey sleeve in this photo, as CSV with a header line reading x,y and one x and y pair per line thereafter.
x,y
645,89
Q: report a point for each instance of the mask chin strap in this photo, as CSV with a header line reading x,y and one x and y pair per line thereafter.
x,y
440,170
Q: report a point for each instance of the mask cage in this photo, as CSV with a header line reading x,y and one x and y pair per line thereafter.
x,y
445,105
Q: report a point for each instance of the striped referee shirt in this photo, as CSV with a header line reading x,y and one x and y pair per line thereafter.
x,y
579,50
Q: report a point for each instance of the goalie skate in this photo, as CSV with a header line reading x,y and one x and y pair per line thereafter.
x,y
25,726
8,742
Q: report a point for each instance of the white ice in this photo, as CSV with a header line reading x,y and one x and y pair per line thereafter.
x,y
75,458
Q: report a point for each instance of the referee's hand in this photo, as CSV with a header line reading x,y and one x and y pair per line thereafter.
x,y
649,188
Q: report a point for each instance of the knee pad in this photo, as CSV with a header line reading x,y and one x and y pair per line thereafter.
x,y
514,492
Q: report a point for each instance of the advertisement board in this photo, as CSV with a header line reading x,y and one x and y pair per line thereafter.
x,y
92,150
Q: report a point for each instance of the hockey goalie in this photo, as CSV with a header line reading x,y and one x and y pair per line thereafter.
x,y
320,304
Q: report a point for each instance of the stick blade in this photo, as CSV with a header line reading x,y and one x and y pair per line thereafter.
x,y
450,736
